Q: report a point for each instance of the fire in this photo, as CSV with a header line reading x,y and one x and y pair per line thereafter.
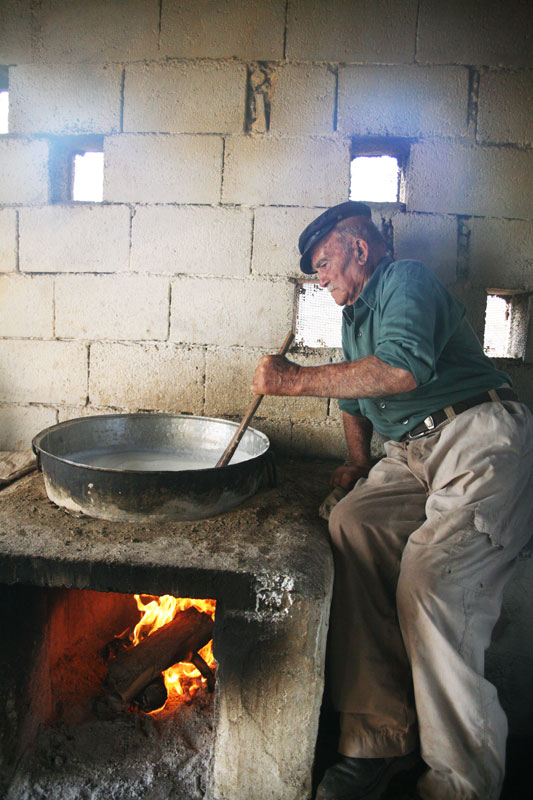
x,y
183,679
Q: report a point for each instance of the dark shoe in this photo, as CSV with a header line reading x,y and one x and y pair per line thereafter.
x,y
362,778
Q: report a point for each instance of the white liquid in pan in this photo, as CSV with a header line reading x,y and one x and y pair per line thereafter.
x,y
148,461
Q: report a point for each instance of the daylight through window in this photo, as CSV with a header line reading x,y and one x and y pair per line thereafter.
x,y
506,325
319,318
375,179
88,177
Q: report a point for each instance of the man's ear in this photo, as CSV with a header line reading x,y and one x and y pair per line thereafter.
x,y
360,247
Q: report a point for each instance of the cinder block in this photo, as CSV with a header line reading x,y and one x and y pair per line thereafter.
x,y
185,98
403,101
15,31
127,307
473,32
286,171
34,371
453,178
197,240
429,238
251,312
77,238
74,99
229,374
162,169
99,31
8,239
372,31
214,29
501,254
24,171
155,377
319,441
276,232
505,101
303,100
19,424
26,306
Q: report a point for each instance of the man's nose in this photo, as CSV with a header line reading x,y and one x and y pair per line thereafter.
x,y
322,277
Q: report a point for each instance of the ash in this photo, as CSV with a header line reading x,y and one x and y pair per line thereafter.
x,y
165,756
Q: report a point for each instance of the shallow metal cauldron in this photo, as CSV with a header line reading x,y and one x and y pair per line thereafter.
x,y
80,462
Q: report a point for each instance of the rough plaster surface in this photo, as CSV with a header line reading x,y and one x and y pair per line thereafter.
x,y
8,239
19,424
382,31
303,100
99,31
269,565
205,240
185,98
75,238
24,170
255,312
276,232
505,102
223,29
494,242
287,171
26,306
452,178
431,238
160,377
414,101
469,32
74,99
111,307
43,371
15,31
162,168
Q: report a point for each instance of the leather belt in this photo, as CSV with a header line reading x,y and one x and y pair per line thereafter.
x,y
436,417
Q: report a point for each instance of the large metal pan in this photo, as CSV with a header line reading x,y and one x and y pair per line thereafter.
x,y
149,466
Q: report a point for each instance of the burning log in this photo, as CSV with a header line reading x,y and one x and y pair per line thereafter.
x,y
178,640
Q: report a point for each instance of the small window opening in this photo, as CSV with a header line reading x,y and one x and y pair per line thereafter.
x,y
506,324
88,177
318,317
375,179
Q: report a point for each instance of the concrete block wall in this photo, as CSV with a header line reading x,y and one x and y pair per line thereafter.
x,y
226,127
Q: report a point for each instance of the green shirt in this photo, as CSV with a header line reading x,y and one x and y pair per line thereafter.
x,y
406,318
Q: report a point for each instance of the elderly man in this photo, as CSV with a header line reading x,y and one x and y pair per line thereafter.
x,y
425,541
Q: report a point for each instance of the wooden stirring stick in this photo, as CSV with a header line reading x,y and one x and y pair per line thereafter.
x,y
252,408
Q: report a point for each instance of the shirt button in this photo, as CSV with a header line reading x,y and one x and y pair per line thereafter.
x,y
382,405
405,421
359,334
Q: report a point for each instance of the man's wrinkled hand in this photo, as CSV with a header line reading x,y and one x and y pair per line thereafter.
x,y
347,475
275,375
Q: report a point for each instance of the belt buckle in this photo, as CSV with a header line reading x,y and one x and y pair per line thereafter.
x,y
429,422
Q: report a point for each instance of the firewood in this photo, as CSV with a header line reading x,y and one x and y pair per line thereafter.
x,y
178,640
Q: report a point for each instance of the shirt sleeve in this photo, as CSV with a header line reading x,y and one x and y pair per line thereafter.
x,y
417,318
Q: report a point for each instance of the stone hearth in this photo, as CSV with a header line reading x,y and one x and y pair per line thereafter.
x,y
269,567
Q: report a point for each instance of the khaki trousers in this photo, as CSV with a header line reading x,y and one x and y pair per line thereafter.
x,y
423,549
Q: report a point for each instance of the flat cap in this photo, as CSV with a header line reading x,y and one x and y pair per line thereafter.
x,y
322,225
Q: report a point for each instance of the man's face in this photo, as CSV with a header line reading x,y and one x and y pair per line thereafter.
x,y
341,269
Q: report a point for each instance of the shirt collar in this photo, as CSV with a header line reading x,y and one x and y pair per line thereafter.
x,y
368,295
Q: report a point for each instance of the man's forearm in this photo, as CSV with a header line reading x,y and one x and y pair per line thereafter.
x,y
367,377
358,433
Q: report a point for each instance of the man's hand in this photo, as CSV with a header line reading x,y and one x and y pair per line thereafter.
x,y
275,375
347,475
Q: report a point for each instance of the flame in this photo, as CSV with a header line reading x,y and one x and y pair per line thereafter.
x,y
181,680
